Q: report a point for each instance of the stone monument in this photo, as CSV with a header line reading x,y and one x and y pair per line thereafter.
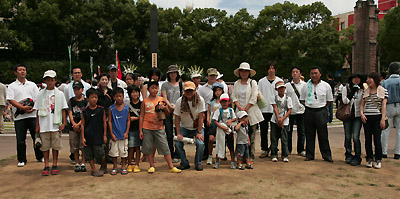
x,y
365,45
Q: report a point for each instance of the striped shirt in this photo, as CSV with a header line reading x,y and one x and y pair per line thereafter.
x,y
370,108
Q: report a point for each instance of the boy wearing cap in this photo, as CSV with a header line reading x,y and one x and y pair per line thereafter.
x,y
223,118
280,122
75,107
51,120
242,140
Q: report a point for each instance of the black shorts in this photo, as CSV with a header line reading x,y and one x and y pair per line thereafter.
x,y
94,151
229,141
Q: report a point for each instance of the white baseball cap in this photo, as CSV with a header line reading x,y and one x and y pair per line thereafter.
x,y
50,73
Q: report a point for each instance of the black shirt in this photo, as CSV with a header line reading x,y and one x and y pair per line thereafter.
x,y
77,107
136,107
94,129
105,99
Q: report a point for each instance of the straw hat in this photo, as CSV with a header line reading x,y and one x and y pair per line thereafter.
x,y
244,66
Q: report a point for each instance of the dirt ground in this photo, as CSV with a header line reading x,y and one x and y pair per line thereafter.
x,y
296,179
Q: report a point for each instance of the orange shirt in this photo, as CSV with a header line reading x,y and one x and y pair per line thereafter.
x,y
150,120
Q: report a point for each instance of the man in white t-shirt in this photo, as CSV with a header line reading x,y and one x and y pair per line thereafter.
x,y
293,90
316,95
189,115
267,87
76,77
24,116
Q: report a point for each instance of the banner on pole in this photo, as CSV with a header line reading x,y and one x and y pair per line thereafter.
x,y
117,63
70,63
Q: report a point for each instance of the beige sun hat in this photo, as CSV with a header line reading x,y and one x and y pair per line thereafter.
x,y
244,66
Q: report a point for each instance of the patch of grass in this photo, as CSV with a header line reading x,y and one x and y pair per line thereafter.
x,y
397,164
359,183
92,185
260,181
390,185
3,162
398,189
370,171
240,193
342,185
373,185
350,175
356,195
342,169
339,175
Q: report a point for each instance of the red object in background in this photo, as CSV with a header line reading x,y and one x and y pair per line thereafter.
x,y
351,20
119,67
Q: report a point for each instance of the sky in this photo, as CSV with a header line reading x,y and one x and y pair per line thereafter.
x,y
253,6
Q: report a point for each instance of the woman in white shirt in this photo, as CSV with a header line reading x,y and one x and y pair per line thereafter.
x,y
244,95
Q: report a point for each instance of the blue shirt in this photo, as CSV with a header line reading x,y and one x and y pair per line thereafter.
x,y
119,121
392,85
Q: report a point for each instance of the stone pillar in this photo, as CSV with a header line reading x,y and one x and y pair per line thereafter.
x,y
365,37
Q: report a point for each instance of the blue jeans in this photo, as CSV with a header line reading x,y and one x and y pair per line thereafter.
x,y
352,128
199,147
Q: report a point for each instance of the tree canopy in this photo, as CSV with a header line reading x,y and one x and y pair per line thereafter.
x,y
284,32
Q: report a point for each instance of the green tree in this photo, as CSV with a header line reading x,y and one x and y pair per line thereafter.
x,y
389,38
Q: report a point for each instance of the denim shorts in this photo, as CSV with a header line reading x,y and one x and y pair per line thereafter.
x,y
242,151
134,139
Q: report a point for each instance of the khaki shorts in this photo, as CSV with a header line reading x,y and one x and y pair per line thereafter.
x,y
50,140
118,148
155,138
75,142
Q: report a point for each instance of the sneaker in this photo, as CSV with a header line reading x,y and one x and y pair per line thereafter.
x,y
97,173
198,168
41,160
46,171
249,166
348,160
175,160
209,160
285,160
264,154
378,164
274,159
152,170
369,164
77,168
83,168
175,170
73,162
103,168
303,154
216,165
21,164
184,167
54,170
129,169
240,167
136,169
233,165
355,162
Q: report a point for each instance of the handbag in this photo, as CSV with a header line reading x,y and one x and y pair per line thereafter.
x,y
261,101
343,111
376,105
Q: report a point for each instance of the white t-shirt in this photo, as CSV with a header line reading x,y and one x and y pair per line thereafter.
x,y
298,108
46,122
18,91
321,93
186,120
241,93
282,108
226,115
268,91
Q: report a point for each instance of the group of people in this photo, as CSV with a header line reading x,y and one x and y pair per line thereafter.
x,y
124,119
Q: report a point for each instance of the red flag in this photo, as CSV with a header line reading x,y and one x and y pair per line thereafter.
x,y
117,63
98,69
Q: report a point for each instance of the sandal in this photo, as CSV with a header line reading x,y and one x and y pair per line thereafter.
x,y
113,172
249,166
124,172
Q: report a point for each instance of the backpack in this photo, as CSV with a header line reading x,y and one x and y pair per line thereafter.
x,y
221,113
